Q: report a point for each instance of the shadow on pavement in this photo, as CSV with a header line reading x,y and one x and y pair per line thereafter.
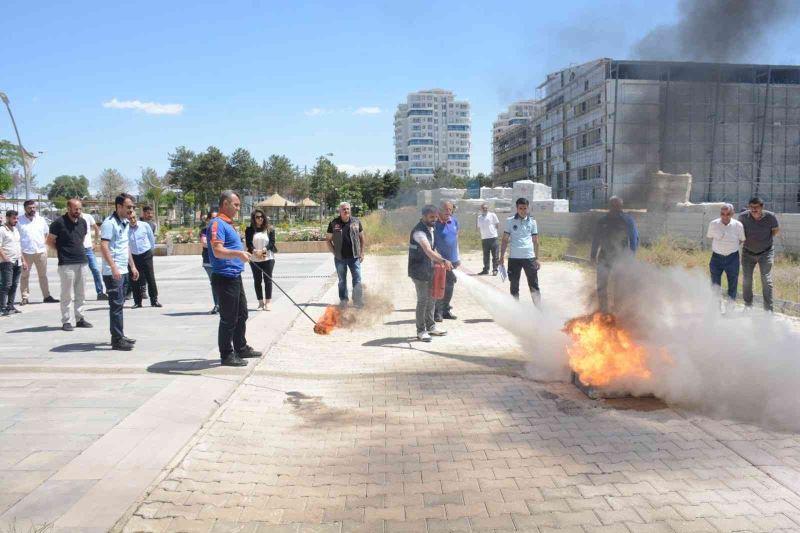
x,y
478,320
81,347
183,366
313,305
398,322
190,313
412,310
388,341
36,329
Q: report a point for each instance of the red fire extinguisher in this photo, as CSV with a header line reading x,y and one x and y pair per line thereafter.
x,y
439,277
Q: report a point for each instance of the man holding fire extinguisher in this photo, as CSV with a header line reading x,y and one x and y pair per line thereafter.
x,y
421,260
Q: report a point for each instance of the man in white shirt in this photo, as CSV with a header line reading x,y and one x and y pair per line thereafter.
x,y
11,263
33,229
488,225
93,231
727,235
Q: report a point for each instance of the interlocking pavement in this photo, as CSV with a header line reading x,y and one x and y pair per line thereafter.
x,y
369,430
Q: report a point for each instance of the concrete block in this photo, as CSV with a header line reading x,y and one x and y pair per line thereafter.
x,y
668,190
531,190
496,193
552,206
438,195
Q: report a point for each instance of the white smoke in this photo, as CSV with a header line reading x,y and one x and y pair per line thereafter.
x,y
740,365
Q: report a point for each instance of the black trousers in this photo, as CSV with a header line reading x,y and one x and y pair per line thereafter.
x,y
147,278
232,313
490,246
116,299
515,268
261,279
443,306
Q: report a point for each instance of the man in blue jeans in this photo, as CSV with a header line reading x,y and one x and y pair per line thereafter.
x,y
118,262
93,230
726,235
345,237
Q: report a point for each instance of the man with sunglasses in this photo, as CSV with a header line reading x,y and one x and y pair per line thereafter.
x,y
345,237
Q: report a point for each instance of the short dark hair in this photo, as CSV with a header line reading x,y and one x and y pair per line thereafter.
x,y
226,195
147,208
755,200
522,201
11,213
120,199
28,202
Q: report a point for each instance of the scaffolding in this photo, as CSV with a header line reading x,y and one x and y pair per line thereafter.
x,y
735,128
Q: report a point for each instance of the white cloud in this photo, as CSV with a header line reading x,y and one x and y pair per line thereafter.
x,y
357,169
316,111
151,108
374,110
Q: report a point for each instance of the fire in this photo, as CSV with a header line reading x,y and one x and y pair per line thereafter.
x,y
602,352
332,318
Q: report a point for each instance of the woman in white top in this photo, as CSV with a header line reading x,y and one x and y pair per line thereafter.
x,y
260,240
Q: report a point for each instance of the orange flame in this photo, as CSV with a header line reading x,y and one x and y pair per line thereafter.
x,y
602,352
332,318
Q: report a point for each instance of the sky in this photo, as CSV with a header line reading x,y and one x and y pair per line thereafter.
x,y
101,84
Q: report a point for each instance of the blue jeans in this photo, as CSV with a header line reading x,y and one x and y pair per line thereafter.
x,y
354,265
98,280
116,299
729,264
9,280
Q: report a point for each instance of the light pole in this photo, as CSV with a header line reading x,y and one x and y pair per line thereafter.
x,y
27,157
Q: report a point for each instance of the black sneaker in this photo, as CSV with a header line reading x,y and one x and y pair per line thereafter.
x,y
156,303
232,360
5,312
136,306
50,300
82,323
122,345
14,311
214,310
248,352
494,272
129,340
102,296
483,272
437,318
449,316
66,326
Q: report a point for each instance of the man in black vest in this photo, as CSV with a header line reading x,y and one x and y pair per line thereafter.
x,y
345,239
421,257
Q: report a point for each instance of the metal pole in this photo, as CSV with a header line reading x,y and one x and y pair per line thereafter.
x,y
22,152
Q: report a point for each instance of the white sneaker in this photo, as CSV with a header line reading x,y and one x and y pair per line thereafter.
x,y
437,332
267,305
424,336
723,306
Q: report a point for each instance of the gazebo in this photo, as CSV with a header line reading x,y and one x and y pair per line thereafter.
x,y
273,205
308,205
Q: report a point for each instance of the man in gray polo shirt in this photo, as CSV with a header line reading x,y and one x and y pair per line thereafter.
x,y
760,226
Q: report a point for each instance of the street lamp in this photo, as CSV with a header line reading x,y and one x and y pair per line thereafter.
x,y
27,157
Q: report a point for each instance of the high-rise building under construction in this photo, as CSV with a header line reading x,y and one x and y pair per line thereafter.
x,y
605,127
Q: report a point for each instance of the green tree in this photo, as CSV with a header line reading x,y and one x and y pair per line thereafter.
x,y
391,184
66,186
152,187
10,161
111,183
242,172
485,180
322,180
210,176
278,175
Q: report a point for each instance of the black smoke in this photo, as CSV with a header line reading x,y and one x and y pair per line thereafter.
x,y
729,31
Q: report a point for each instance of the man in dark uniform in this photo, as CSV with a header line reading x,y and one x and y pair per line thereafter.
x,y
615,237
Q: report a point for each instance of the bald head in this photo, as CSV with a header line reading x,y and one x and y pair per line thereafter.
x,y
74,208
615,203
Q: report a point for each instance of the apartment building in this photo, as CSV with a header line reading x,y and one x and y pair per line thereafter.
x,y
432,130
518,113
606,126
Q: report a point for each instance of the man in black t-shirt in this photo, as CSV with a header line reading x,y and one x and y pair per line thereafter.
x,y
345,238
66,236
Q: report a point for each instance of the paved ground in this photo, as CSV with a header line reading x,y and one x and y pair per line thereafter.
x,y
368,430
85,430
